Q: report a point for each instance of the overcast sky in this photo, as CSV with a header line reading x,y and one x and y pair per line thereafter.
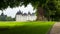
x,y
12,11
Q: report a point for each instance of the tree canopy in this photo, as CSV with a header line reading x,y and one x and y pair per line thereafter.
x,y
13,3
50,7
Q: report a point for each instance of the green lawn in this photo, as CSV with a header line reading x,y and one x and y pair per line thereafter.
x,y
36,27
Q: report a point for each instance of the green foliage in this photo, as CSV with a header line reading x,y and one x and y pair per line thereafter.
x,y
6,18
51,7
13,3
10,19
52,10
25,27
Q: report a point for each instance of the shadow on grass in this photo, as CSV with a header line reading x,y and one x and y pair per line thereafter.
x,y
26,29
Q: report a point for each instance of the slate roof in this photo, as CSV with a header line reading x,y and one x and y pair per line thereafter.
x,y
29,13
32,14
19,12
25,14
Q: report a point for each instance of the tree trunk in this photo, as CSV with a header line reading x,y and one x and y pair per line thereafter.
x,y
40,14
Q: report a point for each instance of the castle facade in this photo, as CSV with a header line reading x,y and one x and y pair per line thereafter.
x,y
20,16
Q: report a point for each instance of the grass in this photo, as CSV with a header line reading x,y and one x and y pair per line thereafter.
x,y
36,27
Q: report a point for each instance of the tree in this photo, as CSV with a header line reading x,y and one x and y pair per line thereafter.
x,y
55,13
2,17
40,5
50,9
6,18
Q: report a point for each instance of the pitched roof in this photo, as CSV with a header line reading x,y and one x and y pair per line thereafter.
x,y
32,14
29,13
25,14
19,12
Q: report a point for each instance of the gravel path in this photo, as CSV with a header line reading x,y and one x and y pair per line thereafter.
x,y
55,29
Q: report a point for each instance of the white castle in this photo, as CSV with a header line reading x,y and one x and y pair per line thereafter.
x,y
20,16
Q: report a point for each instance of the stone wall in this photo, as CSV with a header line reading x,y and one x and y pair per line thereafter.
x,y
25,17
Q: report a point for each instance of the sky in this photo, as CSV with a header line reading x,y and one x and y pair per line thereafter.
x,y
12,11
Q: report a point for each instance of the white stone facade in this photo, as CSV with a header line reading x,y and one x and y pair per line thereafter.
x,y
27,17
